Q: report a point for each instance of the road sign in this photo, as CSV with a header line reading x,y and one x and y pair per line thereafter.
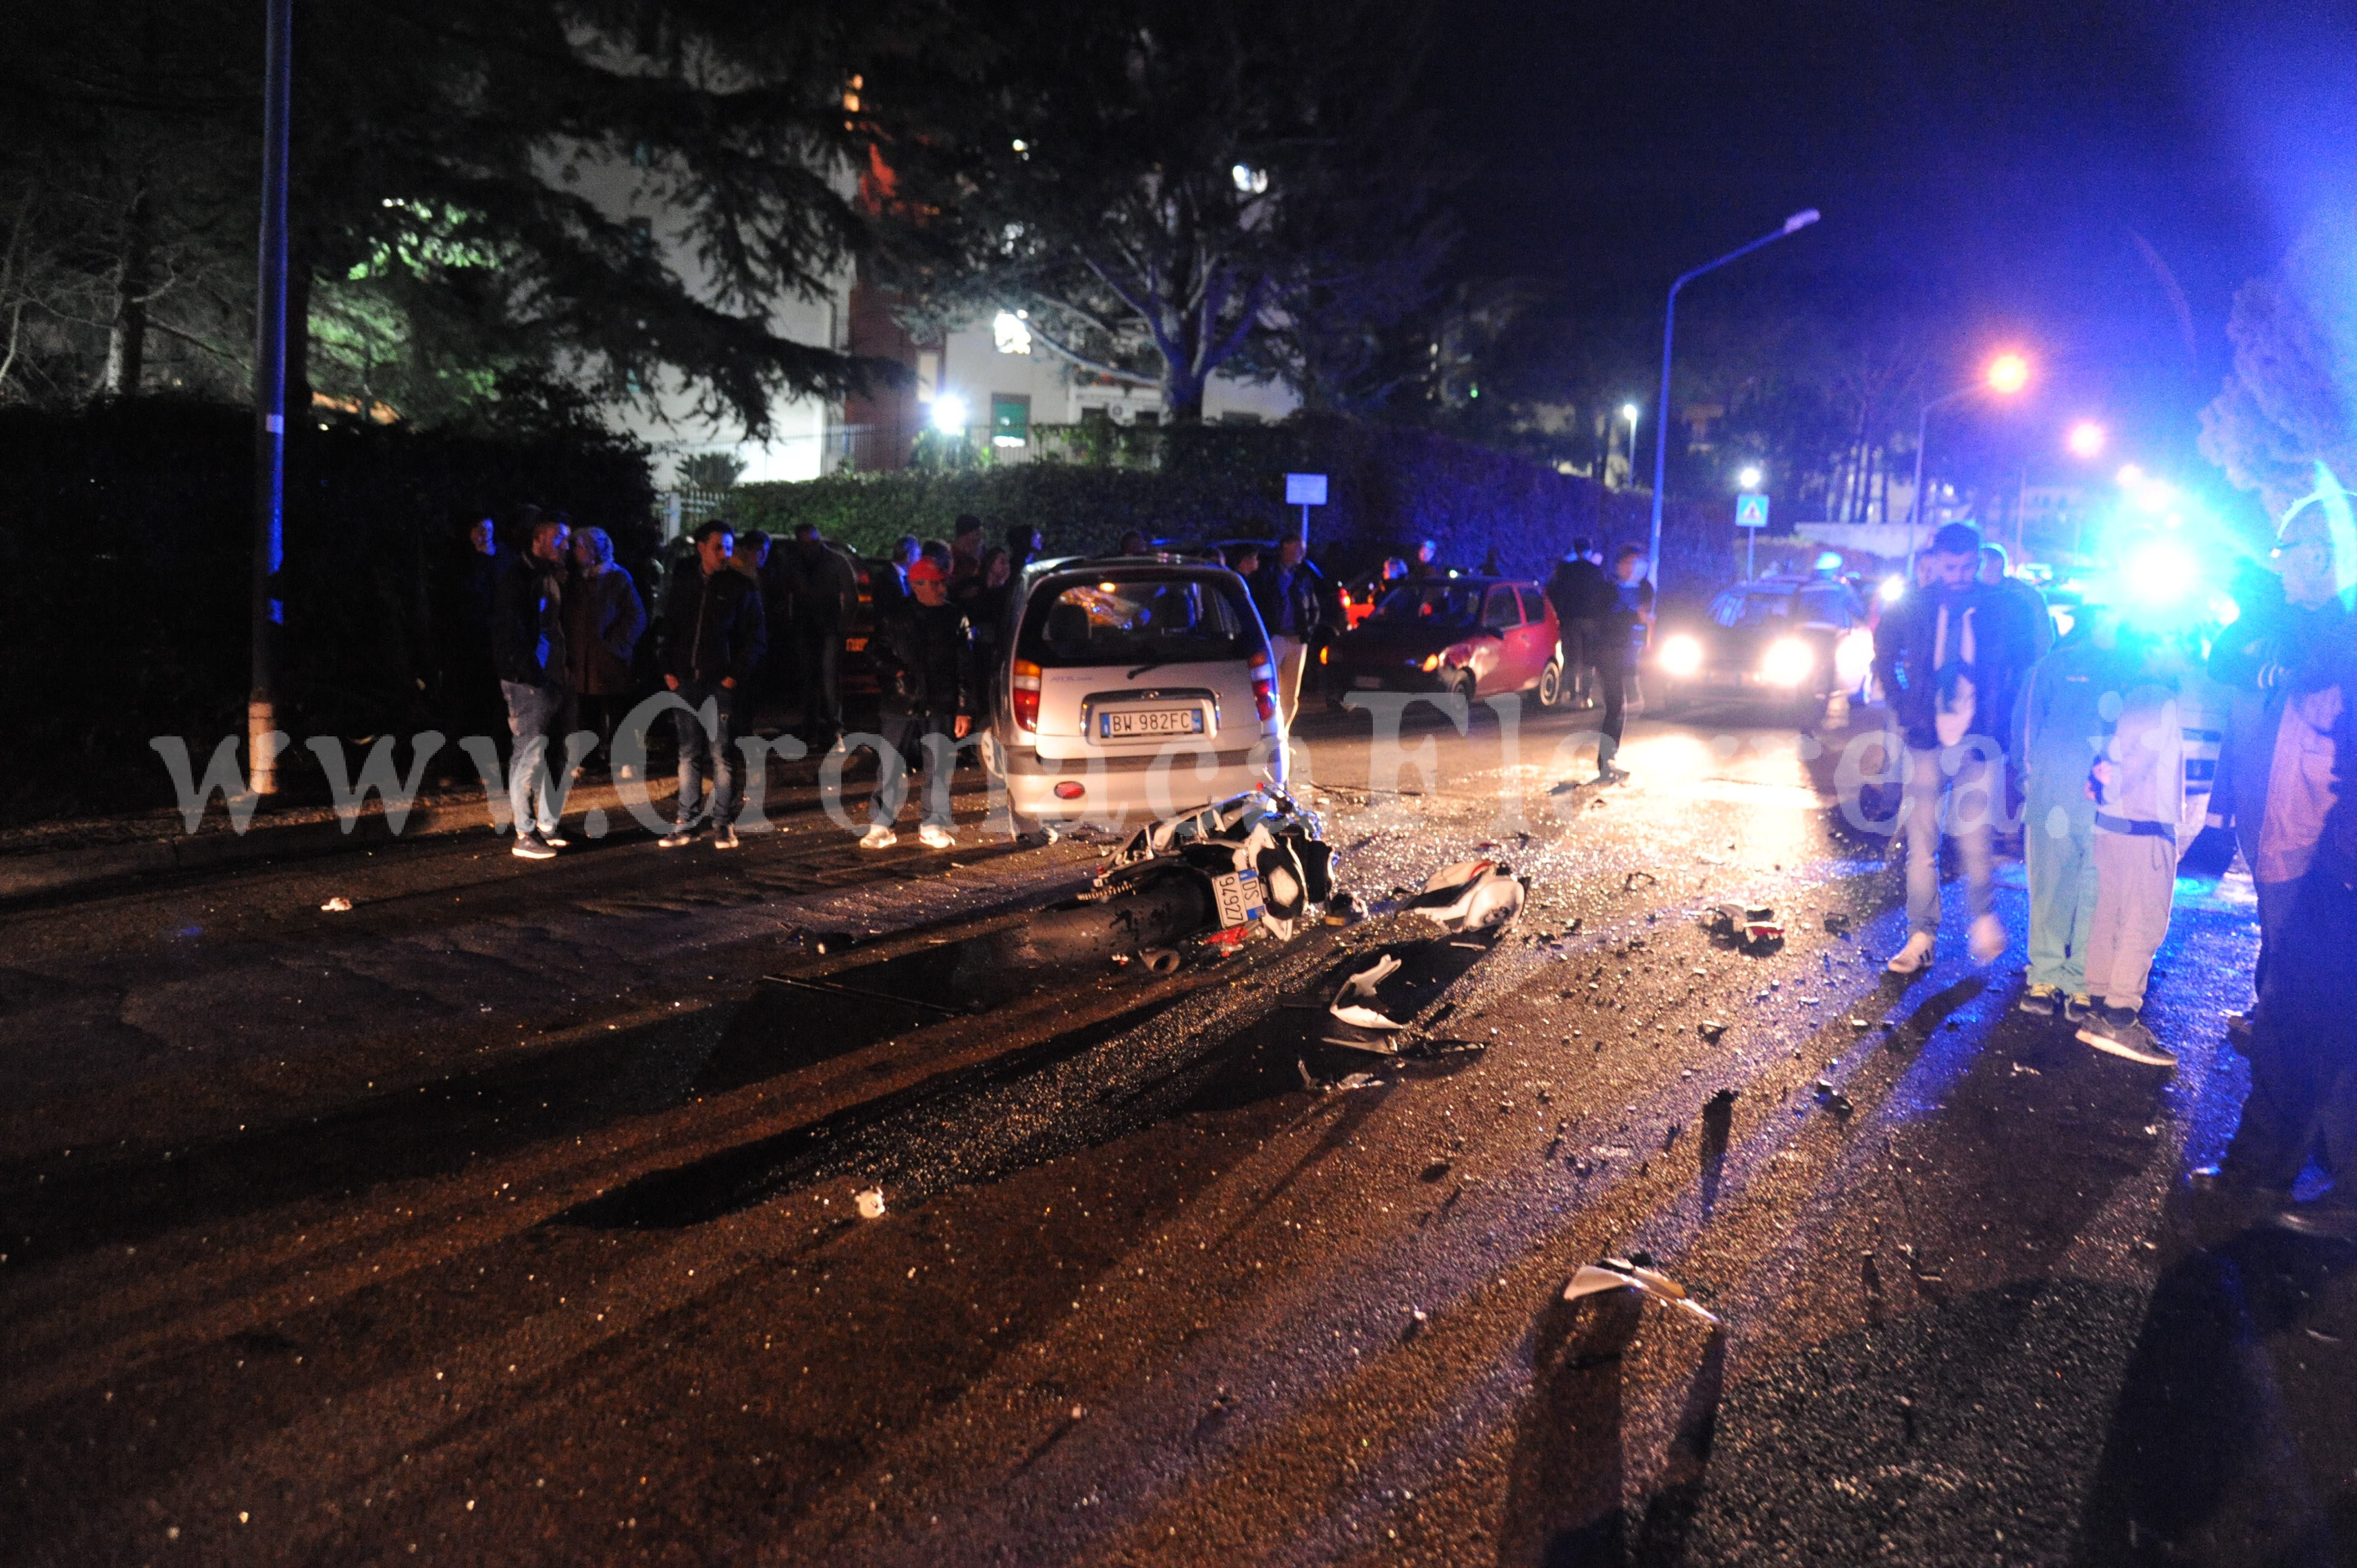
x,y
1751,510
1304,490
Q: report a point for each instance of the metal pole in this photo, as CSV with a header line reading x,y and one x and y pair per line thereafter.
x,y
1792,225
270,405
1915,503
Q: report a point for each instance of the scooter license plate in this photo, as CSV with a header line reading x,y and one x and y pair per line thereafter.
x,y
1238,897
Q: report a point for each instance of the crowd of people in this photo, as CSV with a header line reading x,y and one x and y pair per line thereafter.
x,y
548,620
2101,737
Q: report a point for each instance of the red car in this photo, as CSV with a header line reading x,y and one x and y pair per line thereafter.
x,y
1475,636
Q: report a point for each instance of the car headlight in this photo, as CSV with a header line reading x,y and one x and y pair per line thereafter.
x,y
1680,655
1789,662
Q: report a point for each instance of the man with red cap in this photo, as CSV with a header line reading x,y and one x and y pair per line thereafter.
x,y
923,651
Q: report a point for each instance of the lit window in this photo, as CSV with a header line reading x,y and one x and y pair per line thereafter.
x,y
928,374
1250,181
1010,419
1006,328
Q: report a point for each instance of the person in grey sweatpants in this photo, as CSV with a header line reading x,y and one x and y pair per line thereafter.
x,y
2058,729
2138,784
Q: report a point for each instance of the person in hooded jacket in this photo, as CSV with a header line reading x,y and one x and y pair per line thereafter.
x,y
713,635
604,619
528,648
1943,657
923,651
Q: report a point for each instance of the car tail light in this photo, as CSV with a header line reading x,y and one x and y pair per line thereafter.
x,y
1264,680
1070,789
1026,691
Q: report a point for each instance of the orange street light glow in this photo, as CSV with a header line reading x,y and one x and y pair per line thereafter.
x,y
2009,373
2086,438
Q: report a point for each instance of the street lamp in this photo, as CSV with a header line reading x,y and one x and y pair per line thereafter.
x,y
2086,439
1628,412
1748,479
2008,374
1792,225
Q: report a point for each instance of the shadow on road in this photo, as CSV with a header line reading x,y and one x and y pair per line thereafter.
x,y
2205,1462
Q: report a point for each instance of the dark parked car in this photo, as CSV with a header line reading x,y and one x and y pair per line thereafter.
x,y
1793,642
1476,636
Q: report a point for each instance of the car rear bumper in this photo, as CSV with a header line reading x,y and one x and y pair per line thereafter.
x,y
1343,682
1132,789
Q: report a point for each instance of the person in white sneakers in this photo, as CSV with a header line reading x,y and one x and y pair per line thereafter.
x,y
923,651
1944,659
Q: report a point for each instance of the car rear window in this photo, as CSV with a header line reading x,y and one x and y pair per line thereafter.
x,y
1135,620
1433,604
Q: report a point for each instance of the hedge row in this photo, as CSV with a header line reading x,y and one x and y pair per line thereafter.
x,y
1388,487
125,562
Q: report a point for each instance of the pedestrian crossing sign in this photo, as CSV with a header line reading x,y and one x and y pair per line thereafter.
x,y
1750,509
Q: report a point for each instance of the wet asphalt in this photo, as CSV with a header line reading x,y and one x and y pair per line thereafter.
x,y
514,1217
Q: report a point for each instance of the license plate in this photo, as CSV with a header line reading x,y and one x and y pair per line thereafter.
x,y
1367,682
1150,721
1238,893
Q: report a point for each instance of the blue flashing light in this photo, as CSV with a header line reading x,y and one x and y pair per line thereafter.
x,y
2160,573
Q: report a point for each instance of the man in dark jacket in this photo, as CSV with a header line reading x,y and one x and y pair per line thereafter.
x,y
1579,592
1946,659
825,595
713,638
1291,598
528,649
925,666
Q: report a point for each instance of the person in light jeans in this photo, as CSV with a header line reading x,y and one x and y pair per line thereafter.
x,y
528,647
1951,791
1949,672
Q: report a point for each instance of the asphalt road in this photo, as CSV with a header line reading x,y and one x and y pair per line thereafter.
x,y
511,1217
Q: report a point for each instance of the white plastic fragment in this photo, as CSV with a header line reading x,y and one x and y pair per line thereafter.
x,y
1470,896
871,1203
1619,1274
339,905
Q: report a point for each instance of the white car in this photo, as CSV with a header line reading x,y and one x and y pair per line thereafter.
x,y
1130,689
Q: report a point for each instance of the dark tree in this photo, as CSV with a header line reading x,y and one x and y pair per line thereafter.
x,y
2288,403
455,168
1165,190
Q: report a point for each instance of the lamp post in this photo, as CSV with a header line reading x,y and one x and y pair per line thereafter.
x,y
1792,225
2007,373
270,405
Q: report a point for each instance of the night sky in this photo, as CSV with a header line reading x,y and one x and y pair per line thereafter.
x,y
1999,166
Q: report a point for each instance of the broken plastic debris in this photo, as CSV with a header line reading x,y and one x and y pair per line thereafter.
x,y
1470,896
339,905
1754,927
1619,1274
1341,1085
871,1203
